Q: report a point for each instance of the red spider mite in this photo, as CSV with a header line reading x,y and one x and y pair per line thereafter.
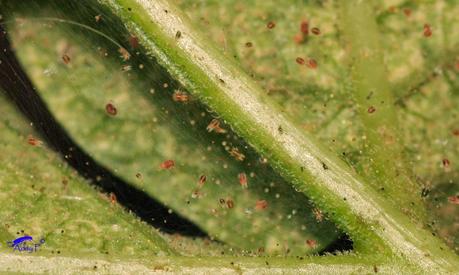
x,y
427,30
371,109
271,25
298,38
453,199
168,164
315,31
304,27
180,96
456,132
33,141
311,243
446,163
98,17
111,109
202,180
312,63
133,41
407,12
261,205
300,60
243,179
112,198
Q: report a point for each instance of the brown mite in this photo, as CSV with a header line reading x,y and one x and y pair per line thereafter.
x,y
446,163
300,60
111,109
66,59
315,31
202,180
230,203
261,205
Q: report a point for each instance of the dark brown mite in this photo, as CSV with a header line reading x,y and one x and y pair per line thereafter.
x,y
202,180
230,203
66,59
315,31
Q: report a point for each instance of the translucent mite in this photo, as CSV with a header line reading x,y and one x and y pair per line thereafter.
x,y
124,54
179,96
234,152
214,126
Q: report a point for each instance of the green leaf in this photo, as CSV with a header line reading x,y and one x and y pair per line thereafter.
x,y
44,198
150,128
376,221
